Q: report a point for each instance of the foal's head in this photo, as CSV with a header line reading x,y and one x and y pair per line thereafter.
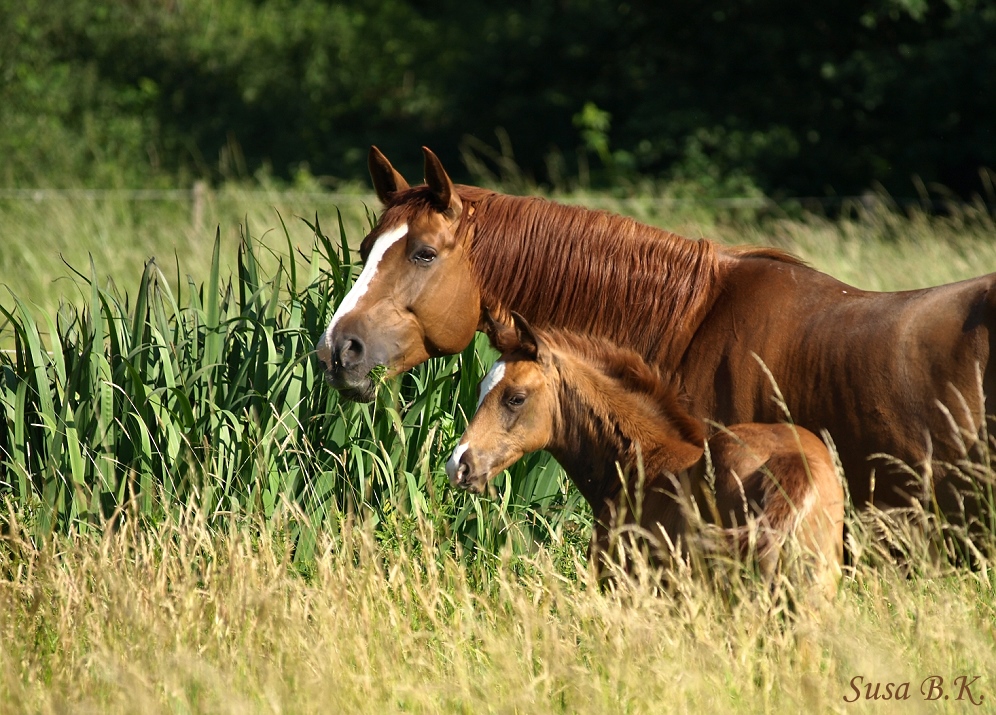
x,y
517,410
576,396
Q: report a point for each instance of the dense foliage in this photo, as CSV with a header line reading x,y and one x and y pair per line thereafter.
x,y
210,398
800,99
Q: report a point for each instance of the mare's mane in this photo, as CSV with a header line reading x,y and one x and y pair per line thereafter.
x,y
585,270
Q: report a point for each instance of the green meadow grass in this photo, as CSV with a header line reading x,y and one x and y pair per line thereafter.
x,y
46,238
192,521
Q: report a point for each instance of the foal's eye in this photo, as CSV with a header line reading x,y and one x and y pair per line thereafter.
x,y
424,255
516,400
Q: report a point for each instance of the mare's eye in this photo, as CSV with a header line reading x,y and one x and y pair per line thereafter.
x,y
515,400
424,255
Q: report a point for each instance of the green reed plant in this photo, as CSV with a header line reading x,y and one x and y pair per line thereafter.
x,y
141,404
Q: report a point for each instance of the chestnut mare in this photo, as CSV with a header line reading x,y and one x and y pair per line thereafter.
x,y
593,405
884,373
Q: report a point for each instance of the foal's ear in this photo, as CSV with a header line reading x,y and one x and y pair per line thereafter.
x,y
503,337
386,180
444,195
528,344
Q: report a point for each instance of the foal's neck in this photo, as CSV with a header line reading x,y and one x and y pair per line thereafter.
x,y
604,422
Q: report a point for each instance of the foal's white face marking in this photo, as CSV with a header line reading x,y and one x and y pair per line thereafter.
x,y
491,380
380,247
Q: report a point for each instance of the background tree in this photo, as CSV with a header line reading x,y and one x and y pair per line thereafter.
x,y
793,99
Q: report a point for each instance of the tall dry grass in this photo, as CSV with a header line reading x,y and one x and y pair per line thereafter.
x,y
186,618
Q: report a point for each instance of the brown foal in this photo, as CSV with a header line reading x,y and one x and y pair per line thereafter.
x,y
594,406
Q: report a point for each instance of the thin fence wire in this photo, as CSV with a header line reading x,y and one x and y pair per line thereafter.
x,y
179,195
172,195
869,199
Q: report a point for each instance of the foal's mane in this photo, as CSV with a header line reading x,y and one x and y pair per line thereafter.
x,y
585,270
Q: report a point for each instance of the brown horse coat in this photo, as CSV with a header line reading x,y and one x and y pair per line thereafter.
x,y
873,369
893,374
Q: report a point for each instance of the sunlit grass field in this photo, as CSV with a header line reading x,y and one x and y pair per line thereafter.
x,y
45,239
181,617
185,618
192,522
872,245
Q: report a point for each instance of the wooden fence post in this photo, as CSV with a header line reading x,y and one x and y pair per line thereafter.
x,y
198,197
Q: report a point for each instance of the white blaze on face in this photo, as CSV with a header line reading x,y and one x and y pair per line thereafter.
x,y
380,247
454,461
491,380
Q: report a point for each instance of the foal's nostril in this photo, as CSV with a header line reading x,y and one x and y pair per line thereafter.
x,y
462,471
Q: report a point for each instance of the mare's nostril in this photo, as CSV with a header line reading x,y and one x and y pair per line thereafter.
x,y
350,352
462,471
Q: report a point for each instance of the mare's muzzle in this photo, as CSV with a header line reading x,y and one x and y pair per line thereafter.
x,y
348,363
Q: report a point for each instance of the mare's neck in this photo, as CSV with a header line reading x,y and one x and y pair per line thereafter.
x,y
593,273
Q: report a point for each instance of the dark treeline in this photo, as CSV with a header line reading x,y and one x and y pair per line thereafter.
x,y
790,98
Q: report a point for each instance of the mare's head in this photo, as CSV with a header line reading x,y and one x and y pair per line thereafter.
x,y
517,408
416,297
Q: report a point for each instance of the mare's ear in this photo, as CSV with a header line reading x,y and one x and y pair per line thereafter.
x,y
386,180
528,343
444,195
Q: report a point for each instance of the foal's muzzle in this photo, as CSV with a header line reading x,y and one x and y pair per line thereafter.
x,y
460,469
